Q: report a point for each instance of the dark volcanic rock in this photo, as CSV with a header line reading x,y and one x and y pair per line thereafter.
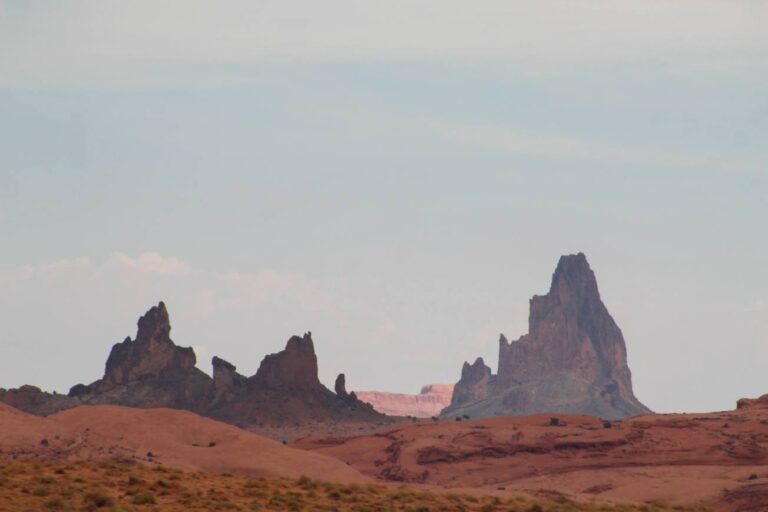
x,y
474,382
152,371
150,355
573,358
340,386
294,367
225,376
227,383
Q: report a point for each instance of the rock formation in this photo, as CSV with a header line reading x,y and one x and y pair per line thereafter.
x,y
152,371
151,355
744,403
572,360
340,386
294,367
429,402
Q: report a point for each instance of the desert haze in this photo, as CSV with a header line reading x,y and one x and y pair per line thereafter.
x,y
557,425
383,256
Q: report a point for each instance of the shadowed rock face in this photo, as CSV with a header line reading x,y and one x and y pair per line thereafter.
x,y
152,371
296,366
340,386
150,355
573,358
473,385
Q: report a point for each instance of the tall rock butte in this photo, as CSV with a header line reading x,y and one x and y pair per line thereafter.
x,y
573,359
152,371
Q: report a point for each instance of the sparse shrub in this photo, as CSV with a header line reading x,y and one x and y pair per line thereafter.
x,y
458,418
211,444
144,498
753,476
306,483
134,480
55,504
554,422
44,442
96,500
46,479
41,491
607,424
465,416
225,505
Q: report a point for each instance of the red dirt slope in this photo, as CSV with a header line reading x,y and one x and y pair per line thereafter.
x,y
679,459
174,438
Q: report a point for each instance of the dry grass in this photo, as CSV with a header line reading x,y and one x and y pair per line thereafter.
x,y
58,486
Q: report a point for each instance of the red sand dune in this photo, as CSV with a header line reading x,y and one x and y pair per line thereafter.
x,y
675,458
175,438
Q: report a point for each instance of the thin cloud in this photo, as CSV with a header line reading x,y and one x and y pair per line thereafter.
x,y
151,263
549,146
213,291
104,42
55,267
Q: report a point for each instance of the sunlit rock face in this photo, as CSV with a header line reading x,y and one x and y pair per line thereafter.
x,y
432,399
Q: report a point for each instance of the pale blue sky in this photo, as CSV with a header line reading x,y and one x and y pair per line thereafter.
x,y
397,178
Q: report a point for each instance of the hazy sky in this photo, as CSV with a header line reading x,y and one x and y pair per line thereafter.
x,y
399,177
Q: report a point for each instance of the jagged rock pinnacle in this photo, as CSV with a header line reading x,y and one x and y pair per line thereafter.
x,y
573,358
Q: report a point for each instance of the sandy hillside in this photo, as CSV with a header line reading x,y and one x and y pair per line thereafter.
x,y
159,436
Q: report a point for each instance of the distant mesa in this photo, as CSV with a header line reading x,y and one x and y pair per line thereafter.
x,y
152,371
573,359
429,402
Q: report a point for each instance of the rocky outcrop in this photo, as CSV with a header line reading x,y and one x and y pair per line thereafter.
x,y
152,371
31,398
474,382
429,402
227,383
744,403
573,358
340,386
294,367
150,355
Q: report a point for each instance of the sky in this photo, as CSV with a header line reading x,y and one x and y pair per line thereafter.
x,y
397,177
